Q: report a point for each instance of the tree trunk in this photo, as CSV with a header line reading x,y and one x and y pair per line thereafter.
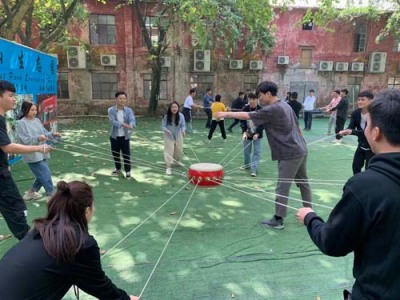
x,y
155,86
14,18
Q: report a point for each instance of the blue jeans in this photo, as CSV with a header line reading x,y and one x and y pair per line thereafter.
x,y
42,173
254,161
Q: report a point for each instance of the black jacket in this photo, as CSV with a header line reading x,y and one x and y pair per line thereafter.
x,y
29,272
244,124
342,108
366,221
238,104
296,106
357,130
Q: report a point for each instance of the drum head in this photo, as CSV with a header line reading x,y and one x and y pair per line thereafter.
x,y
206,167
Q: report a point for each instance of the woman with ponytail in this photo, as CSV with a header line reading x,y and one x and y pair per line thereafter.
x,y
58,252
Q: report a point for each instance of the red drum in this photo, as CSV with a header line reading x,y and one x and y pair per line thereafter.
x,y
206,174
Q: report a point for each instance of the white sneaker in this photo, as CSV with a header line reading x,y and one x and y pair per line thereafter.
x,y
30,195
168,171
337,141
253,174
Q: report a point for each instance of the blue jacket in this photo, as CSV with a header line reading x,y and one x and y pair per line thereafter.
x,y
129,118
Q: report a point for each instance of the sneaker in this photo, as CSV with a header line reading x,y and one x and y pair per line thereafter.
x,y
274,223
337,141
230,130
115,172
180,164
30,195
128,175
253,174
244,168
168,171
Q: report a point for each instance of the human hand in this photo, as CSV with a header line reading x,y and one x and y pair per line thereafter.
x,y
133,297
345,132
255,137
42,138
302,213
56,134
244,136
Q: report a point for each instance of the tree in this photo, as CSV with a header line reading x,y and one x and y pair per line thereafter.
x,y
226,23
38,23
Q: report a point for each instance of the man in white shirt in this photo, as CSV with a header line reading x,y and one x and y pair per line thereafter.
x,y
187,109
308,110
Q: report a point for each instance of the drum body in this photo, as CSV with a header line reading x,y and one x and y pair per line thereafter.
x,y
206,174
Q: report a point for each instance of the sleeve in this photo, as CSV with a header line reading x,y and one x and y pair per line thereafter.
x,y
164,123
353,117
343,230
131,118
24,135
182,123
261,116
341,104
4,138
243,123
113,118
88,275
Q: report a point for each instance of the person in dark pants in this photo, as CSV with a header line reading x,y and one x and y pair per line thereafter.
x,y
366,220
237,105
309,104
294,104
358,123
341,115
207,101
217,106
122,121
12,206
59,252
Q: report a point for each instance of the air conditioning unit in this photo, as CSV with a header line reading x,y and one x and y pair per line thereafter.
x,y
377,62
342,66
76,57
165,61
235,64
283,60
357,66
325,65
202,60
108,60
256,65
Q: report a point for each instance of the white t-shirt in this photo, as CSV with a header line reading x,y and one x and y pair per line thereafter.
x,y
188,102
120,118
309,103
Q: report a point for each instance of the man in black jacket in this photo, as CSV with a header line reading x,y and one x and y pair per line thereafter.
x,y
237,105
366,220
357,125
341,115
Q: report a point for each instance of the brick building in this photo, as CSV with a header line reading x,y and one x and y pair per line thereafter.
x,y
111,55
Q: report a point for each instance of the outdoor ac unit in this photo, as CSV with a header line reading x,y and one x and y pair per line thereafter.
x,y
165,61
325,65
357,66
108,60
256,65
235,64
377,62
76,57
342,66
202,60
283,60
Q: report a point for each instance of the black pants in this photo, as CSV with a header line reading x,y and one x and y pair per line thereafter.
x,y
308,120
118,145
235,122
12,206
360,157
221,127
207,110
339,126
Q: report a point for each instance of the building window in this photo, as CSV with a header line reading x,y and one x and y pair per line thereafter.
x,y
163,87
308,25
360,38
396,44
305,57
152,28
104,85
102,29
250,82
62,86
394,83
201,83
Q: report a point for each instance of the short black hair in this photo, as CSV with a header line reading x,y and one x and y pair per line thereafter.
x,y
192,90
218,98
6,86
337,92
267,86
119,93
367,94
311,91
208,89
241,93
294,95
345,91
384,112
252,96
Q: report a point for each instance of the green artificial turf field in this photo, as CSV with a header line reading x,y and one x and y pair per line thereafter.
x,y
168,239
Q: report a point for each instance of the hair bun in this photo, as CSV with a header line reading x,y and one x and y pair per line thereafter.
x,y
63,186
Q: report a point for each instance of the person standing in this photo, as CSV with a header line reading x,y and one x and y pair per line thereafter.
x,y
12,206
173,125
309,103
237,105
187,109
341,115
216,107
334,102
366,220
294,104
358,123
59,252
251,136
207,101
287,145
30,131
122,121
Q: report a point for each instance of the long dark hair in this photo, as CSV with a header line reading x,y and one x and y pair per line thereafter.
x,y
65,226
25,108
169,114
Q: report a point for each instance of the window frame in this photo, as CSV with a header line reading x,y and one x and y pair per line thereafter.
x,y
106,27
206,81
101,89
163,95
305,62
360,38
63,85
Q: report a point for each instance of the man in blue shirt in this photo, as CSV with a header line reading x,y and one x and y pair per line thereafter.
x,y
207,101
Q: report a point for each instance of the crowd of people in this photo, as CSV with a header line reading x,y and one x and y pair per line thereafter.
x,y
58,252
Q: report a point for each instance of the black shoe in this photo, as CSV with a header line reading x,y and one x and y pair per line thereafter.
x,y
230,130
116,172
274,223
